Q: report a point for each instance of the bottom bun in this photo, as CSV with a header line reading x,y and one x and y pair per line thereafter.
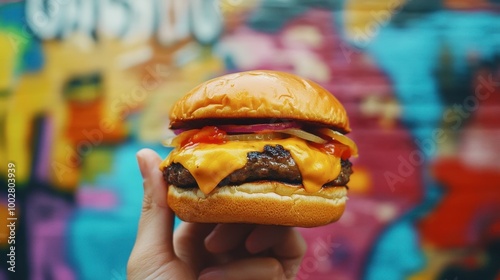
x,y
270,203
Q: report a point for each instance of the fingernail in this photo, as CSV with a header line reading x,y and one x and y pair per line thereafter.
x,y
141,163
212,273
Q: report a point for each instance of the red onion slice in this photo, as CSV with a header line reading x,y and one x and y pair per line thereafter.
x,y
179,131
252,128
249,128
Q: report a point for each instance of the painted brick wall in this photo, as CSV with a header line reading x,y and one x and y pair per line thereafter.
x,y
81,94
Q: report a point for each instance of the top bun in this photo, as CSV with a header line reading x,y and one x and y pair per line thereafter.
x,y
259,95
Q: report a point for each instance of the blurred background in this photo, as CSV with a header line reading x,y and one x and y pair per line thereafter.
x,y
85,84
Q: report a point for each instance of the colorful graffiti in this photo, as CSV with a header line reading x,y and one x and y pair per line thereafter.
x,y
84,85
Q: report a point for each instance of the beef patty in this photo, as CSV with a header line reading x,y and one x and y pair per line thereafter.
x,y
273,164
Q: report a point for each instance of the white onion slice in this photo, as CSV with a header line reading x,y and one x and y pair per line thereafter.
x,y
168,142
304,135
280,134
337,136
176,141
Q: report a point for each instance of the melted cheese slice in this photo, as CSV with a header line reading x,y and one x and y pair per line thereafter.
x,y
210,163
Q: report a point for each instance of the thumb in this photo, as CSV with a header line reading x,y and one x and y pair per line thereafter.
x,y
156,223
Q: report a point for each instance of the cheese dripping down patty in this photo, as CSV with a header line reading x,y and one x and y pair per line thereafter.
x,y
209,164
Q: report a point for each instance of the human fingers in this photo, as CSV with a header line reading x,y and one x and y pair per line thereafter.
x,y
264,237
154,236
227,237
245,269
286,243
189,244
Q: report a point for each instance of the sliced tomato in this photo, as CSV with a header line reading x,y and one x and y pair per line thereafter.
x,y
334,148
208,134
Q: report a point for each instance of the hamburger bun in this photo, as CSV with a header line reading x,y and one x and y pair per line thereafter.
x,y
259,95
259,203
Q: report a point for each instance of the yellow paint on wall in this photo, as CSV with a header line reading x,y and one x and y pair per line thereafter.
x,y
8,59
41,94
360,181
363,19
29,99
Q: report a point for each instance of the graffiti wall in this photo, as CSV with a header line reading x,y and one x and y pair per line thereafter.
x,y
85,84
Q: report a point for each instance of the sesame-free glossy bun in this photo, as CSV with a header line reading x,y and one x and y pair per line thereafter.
x,y
270,203
260,95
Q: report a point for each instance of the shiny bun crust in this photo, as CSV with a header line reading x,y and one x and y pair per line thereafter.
x,y
260,94
269,203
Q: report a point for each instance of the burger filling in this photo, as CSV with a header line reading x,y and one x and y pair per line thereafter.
x,y
233,154
273,164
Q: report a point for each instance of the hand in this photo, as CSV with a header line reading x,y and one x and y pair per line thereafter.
x,y
205,251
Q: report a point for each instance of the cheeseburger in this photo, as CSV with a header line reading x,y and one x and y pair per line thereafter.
x,y
260,147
